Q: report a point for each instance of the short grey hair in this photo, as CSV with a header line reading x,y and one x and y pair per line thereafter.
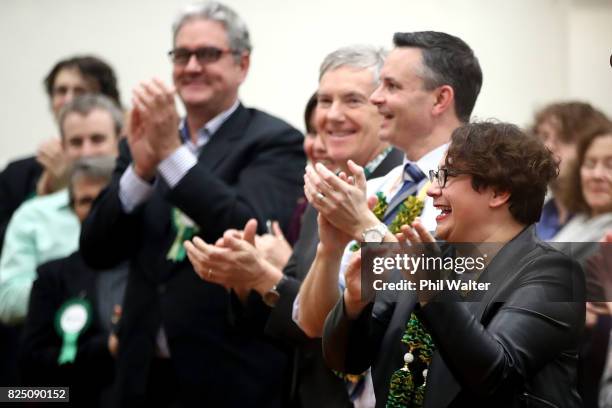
x,y
84,104
237,31
96,168
355,56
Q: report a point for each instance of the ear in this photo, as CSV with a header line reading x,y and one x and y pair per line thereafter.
x,y
445,98
244,64
498,198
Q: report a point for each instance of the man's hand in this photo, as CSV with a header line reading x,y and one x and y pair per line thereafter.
x,y
343,204
274,247
145,160
153,126
233,262
50,155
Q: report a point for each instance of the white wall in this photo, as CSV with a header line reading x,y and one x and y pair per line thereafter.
x,y
531,51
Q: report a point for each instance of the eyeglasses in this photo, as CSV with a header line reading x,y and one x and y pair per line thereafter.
x,y
442,175
204,55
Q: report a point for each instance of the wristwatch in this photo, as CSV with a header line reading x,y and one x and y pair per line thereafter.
x,y
375,234
272,296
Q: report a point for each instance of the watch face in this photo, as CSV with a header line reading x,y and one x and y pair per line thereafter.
x,y
373,236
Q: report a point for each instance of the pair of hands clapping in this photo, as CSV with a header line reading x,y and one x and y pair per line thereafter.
x,y
152,134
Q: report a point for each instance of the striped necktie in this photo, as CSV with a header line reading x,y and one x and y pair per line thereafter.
x,y
412,176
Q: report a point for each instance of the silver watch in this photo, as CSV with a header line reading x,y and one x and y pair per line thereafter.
x,y
375,234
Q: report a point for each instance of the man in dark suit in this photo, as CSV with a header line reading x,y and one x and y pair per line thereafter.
x,y
510,343
230,164
348,125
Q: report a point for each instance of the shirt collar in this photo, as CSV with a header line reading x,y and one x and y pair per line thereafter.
x,y
209,128
429,161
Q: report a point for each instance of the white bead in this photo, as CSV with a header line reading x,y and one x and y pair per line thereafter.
x,y
408,358
425,373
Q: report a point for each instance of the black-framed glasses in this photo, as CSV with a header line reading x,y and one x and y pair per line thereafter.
x,y
441,176
204,55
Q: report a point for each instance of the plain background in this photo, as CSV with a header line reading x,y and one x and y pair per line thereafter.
x,y
532,52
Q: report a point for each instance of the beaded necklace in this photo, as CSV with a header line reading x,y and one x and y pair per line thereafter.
x,y
402,390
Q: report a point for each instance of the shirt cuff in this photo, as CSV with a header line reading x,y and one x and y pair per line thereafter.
x,y
295,310
174,167
133,190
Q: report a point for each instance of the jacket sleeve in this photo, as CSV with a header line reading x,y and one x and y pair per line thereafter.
x,y
540,319
348,345
109,235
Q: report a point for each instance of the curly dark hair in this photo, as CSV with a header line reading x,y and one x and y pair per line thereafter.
x,y
93,69
573,195
503,157
447,60
571,119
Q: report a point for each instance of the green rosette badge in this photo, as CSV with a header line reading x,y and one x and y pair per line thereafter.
x,y
185,229
73,318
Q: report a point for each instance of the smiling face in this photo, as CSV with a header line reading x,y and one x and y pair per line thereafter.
x,y
402,100
89,135
596,175
212,86
346,120
464,212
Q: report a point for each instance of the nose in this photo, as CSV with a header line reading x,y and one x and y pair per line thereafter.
x,y
88,149
69,96
335,112
552,144
377,97
434,189
193,64
318,145
600,171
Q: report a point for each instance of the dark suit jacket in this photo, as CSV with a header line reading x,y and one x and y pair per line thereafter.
x,y
17,184
314,385
92,371
516,346
251,167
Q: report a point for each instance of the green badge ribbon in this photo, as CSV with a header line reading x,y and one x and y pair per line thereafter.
x,y
185,229
72,318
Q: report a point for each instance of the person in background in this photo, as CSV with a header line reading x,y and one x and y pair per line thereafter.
x,y
560,126
45,173
315,153
45,228
589,197
45,357
41,174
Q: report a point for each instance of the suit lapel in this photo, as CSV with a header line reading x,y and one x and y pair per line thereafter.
x,y
393,159
221,142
